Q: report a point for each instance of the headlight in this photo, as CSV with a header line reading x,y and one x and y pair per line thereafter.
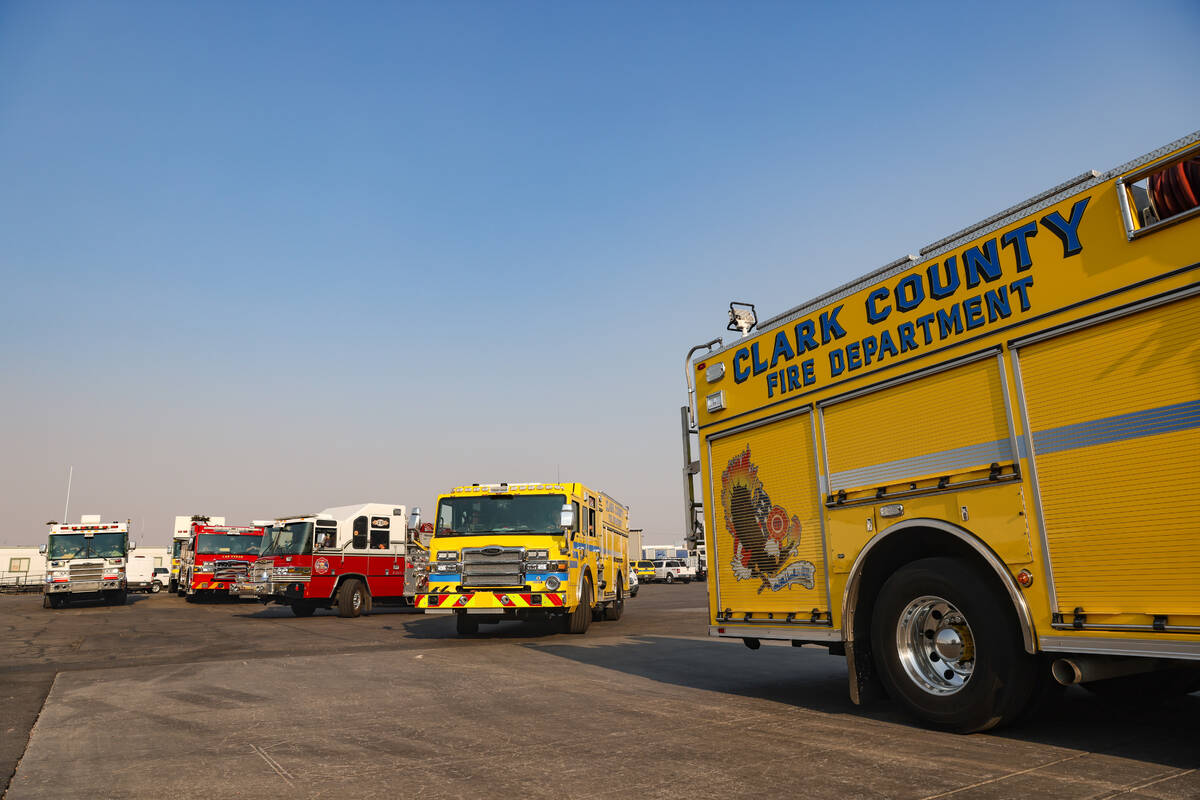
x,y
291,572
445,568
447,555
546,566
535,554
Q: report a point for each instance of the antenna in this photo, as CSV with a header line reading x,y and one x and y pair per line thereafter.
x,y
70,474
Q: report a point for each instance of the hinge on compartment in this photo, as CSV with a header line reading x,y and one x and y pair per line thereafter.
x,y
1160,622
1079,619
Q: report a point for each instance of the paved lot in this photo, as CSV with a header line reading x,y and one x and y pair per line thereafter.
x,y
233,700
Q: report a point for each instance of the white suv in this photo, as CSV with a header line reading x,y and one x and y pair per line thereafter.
x,y
671,570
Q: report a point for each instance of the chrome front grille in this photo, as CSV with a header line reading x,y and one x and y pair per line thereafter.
x,y
87,572
230,570
493,566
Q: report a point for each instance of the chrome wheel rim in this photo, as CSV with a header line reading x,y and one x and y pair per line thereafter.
x,y
935,645
356,601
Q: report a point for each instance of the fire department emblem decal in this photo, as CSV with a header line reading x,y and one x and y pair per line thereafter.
x,y
321,565
765,537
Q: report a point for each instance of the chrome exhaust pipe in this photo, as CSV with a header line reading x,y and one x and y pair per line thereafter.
x,y
1085,669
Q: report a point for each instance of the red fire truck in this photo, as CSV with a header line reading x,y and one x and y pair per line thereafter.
x,y
216,558
348,558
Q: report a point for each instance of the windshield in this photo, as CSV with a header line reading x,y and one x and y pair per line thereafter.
x,y
76,545
530,513
292,539
231,543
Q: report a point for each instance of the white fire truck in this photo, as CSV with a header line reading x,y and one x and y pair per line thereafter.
x,y
347,557
86,562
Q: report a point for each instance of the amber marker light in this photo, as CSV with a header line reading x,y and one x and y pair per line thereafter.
x,y
1025,578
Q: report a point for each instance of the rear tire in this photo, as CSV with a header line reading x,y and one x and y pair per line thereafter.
x,y
352,598
155,587
579,619
303,609
947,646
464,625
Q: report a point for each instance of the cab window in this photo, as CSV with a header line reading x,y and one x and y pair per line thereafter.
x,y
575,527
326,538
380,527
359,540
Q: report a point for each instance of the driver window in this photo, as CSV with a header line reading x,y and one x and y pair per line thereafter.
x,y
326,538
359,540
575,525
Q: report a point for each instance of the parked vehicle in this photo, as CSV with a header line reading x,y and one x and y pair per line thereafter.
x,y
217,558
968,472
634,583
528,551
671,570
86,562
139,574
162,579
348,558
644,570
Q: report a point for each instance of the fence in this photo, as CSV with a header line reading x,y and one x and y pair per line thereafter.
x,y
14,582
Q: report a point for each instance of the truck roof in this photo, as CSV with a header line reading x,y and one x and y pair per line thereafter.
x,y
935,249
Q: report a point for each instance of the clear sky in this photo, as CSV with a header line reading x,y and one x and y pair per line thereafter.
x,y
262,258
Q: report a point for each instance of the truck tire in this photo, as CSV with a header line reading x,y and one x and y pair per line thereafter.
x,y
614,611
155,587
670,578
352,598
947,646
579,619
464,625
303,609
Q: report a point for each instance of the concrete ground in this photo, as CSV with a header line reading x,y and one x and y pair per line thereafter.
x,y
159,698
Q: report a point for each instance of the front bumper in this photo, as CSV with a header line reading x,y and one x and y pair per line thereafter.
x,y
491,599
79,587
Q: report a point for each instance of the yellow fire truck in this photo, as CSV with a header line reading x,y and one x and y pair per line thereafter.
x,y
528,551
965,470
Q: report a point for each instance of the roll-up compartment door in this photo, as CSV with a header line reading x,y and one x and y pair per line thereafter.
x,y
944,424
1114,415
769,551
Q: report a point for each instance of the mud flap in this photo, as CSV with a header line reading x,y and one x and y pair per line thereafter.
x,y
865,686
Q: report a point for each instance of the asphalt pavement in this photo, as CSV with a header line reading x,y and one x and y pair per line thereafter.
x,y
231,699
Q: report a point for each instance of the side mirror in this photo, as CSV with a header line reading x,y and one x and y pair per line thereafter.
x,y
132,545
42,549
414,519
566,517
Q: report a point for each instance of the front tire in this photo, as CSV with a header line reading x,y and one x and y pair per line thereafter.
x,y
614,611
352,598
670,578
579,619
947,646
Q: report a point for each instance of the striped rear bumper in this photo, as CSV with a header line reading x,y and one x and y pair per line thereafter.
x,y
490,599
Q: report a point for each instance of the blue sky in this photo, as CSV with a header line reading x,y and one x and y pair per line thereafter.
x,y
261,258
